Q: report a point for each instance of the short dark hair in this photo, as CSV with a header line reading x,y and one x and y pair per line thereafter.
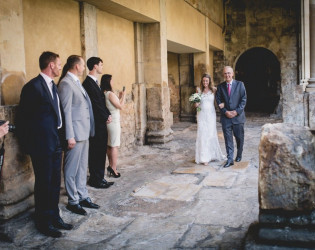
x,y
45,58
93,61
105,83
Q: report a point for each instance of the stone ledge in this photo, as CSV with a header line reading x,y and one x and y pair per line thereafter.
x,y
254,242
288,218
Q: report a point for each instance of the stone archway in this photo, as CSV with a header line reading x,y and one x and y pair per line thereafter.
x,y
259,69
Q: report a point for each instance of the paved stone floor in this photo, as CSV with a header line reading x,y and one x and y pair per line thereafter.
x,y
163,201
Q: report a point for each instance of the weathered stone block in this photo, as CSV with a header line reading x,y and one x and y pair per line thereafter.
x,y
17,178
311,110
287,167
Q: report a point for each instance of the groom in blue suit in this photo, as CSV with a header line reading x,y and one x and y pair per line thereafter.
x,y
39,124
231,99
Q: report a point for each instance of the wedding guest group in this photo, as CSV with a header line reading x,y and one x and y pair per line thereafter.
x,y
71,118
114,104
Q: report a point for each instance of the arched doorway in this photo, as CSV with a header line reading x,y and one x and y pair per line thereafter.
x,y
259,69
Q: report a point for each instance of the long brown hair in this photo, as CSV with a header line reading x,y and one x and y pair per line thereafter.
x,y
105,83
211,86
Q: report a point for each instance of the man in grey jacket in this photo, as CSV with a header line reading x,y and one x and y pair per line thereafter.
x,y
231,98
79,126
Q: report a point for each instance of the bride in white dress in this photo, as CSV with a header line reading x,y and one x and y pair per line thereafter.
x,y
207,143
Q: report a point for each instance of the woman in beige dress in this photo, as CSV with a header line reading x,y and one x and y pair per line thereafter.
x,y
114,105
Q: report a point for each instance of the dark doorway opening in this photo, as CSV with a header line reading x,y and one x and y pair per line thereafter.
x,y
259,69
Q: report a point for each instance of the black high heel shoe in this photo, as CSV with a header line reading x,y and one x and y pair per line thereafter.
x,y
111,172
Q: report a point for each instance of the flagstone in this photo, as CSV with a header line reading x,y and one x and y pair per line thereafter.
x,y
160,190
220,179
223,212
240,166
197,169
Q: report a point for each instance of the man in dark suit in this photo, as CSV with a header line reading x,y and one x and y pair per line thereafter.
x,y
102,116
231,98
39,122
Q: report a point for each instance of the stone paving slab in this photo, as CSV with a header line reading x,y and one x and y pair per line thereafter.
x,y
148,233
179,191
238,167
215,195
179,187
197,169
220,179
206,236
223,213
100,226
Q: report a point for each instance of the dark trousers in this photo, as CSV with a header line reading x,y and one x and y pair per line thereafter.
x,y
47,170
238,131
97,157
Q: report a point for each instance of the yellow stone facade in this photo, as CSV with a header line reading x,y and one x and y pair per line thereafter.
x,y
143,44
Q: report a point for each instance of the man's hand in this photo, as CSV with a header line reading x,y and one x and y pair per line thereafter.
x,y
109,120
4,129
71,143
230,114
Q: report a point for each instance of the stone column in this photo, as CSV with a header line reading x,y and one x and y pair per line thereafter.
x,y
187,86
139,88
309,97
17,178
202,60
305,42
311,86
159,116
88,23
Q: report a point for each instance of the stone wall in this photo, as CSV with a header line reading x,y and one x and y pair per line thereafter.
x,y
218,62
274,26
127,123
174,98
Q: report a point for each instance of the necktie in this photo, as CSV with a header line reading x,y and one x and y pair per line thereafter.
x,y
80,86
229,89
55,102
97,84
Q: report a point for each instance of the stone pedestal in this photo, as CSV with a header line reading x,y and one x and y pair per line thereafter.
x,y
159,116
17,178
286,189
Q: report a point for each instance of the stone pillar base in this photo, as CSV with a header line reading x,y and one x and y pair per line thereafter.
x,y
159,117
278,229
159,137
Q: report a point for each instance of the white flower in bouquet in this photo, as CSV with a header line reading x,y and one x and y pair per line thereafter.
x,y
195,98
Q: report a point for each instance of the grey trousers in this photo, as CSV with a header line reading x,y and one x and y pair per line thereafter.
x,y
75,172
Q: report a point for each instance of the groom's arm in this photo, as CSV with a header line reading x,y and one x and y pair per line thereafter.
x,y
241,106
219,99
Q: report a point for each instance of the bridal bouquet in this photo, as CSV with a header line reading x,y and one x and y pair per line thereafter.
x,y
195,98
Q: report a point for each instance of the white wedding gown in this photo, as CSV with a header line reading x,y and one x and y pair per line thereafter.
x,y
207,143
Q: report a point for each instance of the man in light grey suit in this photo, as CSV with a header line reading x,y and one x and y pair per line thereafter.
x,y
79,126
